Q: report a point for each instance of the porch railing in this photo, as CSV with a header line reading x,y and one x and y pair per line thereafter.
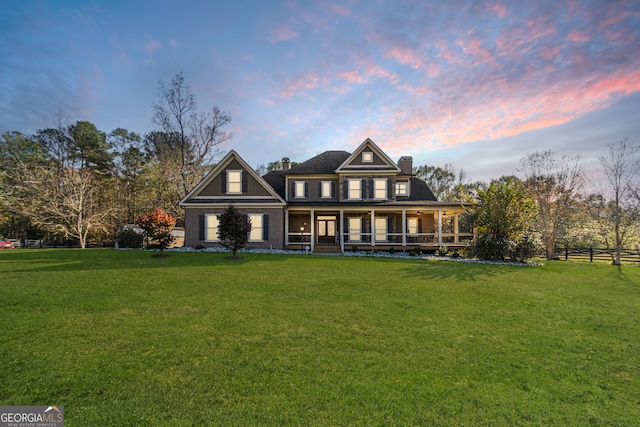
x,y
297,238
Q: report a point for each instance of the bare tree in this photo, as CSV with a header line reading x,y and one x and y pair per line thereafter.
x,y
196,134
71,204
620,207
553,184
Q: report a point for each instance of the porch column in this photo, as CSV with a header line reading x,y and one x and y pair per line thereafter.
x,y
313,229
455,228
372,228
439,227
286,227
404,227
341,228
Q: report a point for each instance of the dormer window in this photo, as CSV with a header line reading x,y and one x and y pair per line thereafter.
x,y
234,182
402,189
367,157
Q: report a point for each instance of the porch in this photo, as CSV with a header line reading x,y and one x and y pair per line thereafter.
x,y
378,229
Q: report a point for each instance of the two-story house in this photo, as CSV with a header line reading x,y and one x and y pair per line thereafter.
x,y
329,203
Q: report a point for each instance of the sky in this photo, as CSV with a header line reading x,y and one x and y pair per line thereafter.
x,y
478,84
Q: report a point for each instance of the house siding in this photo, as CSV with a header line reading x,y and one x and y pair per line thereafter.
x,y
253,187
314,193
193,226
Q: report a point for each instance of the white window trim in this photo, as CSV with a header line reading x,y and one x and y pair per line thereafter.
x,y
229,171
261,239
295,189
355,220
384,220
386,188
368,158
407,188
359,181
322,188
206,228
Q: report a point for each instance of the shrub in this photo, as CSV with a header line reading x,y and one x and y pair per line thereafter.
x,y
412,253
418,250
354,248
490,248
129,239
234,227
442,251
392,250
525,248
157,225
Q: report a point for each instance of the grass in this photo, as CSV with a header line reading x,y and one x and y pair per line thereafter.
x,y
119,338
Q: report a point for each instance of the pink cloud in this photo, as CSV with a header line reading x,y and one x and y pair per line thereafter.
x,y
499,9
404,55
550,52
300,84
282,34
577,36
341,9
152,45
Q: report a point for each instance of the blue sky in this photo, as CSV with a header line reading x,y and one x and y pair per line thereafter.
x,y
474,83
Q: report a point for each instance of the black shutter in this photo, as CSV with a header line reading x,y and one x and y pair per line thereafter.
x,y
389,225
201,227
224,181
345,184
363,229
306,189
320,190
265,227
363,184
389,185
333,189
372,191
419,225
245,181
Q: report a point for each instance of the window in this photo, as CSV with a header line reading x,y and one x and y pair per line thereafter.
x,y
367,157
257,225
412,225
381,229
211,228
355,189
402,189
355,228
234,182
380,188
325,189
300,188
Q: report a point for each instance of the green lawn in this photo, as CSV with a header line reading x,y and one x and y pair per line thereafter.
x,y
120,338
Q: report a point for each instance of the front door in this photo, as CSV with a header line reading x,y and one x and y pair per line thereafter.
x,y
327,229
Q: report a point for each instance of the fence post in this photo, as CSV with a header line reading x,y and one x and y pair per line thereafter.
x,y
590,254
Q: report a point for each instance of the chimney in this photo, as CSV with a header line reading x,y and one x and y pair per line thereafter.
x,y
286,164
406,164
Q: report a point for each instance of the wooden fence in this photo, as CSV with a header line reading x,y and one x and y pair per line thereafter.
x,y
597,254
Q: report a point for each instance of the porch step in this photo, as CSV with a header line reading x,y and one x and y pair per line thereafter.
x,y
326,249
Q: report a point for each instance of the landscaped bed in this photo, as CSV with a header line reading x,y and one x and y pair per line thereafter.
x,y
120,338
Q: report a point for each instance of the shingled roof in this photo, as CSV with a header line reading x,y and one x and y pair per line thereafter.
x,y
421,191
323,163
276,180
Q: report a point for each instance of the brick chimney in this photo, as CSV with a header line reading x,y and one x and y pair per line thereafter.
x,y
406,164
286,164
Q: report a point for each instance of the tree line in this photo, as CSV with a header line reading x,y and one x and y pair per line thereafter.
x,y
552,203
76,181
